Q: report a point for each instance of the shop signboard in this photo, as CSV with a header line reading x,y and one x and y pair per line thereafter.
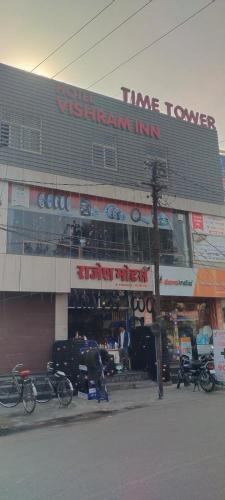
x,y
208,224
86,207
209,248
192,282
177,281
219,354
110,276
208,235
210,283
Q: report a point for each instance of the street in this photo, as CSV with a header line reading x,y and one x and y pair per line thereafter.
x,y
171,449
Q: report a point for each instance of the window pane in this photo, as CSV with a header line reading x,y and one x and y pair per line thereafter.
x,y
110,158
15,136
30,139
98,155
4,134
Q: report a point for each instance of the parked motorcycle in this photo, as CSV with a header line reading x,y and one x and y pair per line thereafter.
x,y
199,372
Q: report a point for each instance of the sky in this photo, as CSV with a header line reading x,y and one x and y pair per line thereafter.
x,y
186,67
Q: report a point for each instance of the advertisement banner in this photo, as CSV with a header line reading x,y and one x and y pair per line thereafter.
x,y
210,283
177,281
192,282
208,224
219,354
209,248
76,205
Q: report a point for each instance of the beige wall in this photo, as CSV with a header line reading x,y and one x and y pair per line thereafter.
x,y
61,316
26,273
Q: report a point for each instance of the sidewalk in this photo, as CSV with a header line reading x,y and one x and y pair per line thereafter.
x,y
145,395
16,420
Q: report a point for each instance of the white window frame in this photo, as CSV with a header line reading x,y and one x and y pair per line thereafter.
x,y
22,127
105,147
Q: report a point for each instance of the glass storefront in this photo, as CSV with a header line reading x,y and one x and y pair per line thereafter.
x,y
188,324
39,233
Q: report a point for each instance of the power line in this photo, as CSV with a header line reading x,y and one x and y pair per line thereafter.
x,y
152,43
72,36
102,39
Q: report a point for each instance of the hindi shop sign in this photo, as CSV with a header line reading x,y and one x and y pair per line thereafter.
x,y
219,354
108,276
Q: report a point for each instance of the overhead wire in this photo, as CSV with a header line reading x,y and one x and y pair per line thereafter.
x,y
74,34
154,42
102,39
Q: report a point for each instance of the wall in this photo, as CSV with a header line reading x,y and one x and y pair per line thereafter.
x,y
191,151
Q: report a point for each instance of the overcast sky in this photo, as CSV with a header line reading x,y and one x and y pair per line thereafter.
x,y
187,67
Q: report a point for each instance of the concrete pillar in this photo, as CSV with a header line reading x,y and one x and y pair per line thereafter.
x,y
61,316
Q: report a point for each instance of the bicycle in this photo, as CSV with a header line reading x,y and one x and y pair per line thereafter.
x,y
58,384
20,390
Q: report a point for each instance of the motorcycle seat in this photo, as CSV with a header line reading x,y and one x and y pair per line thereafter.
x,y
196,364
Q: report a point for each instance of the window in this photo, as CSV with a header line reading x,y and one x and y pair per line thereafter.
x,y
20,131
4,138
104,156
20,137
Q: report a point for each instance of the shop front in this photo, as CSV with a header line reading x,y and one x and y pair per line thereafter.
x,y
103,298
191,306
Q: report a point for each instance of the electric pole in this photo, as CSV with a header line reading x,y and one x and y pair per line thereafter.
x,y
158,172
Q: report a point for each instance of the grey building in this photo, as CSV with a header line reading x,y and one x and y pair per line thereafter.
x,y
74,215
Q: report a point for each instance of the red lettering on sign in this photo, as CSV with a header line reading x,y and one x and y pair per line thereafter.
x,y
111,120
125,93
191,117
211,122
101,117
124,123
179,112
124,274
63,105
143,101
169,107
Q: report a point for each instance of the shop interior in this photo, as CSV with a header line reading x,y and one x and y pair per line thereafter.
x,y
98,315
188,323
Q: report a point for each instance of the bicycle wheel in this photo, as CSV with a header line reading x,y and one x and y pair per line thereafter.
x,y
45,391
29,396
9,394
65,392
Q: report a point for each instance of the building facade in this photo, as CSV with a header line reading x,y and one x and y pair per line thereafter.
x,y
76,223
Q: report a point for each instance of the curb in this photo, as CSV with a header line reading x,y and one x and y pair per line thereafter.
x,y
81,417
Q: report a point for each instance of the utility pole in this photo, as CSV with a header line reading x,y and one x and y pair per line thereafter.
x,y
158,171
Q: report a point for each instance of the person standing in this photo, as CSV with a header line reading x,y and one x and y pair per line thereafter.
x,y
124,344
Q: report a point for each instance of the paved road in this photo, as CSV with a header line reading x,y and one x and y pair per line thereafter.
x,y
171,450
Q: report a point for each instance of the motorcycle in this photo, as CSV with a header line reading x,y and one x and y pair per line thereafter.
x,y
199,372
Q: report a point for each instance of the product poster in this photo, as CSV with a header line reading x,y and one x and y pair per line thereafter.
x,y
219,354
77,205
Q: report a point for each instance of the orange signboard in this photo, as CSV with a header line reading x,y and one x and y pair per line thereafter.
x,y
210,283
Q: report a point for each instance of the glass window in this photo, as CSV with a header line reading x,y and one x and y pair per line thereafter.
x,y
49,234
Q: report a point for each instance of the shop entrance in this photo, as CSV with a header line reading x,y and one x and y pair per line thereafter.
x,y
98,314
